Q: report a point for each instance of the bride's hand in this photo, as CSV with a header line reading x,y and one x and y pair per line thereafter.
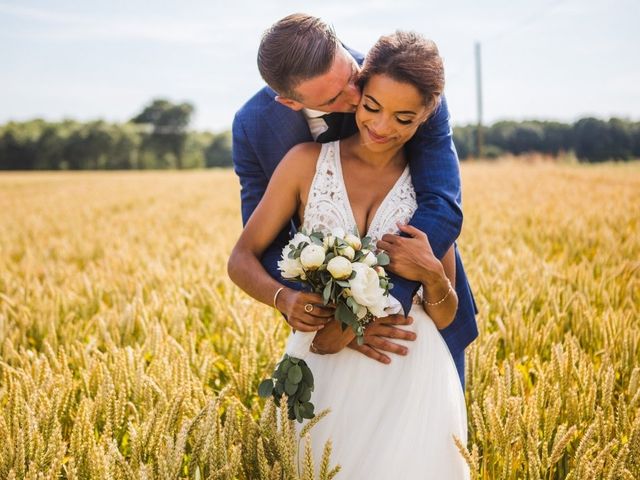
x,y
412,257
304,311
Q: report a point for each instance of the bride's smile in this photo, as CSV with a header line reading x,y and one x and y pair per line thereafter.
x,y
389,113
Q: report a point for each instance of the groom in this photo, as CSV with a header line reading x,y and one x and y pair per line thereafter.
x,y
311,95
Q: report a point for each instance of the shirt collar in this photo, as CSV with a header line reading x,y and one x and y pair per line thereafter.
x,y
310,113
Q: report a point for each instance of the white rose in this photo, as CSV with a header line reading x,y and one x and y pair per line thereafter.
x,y
347,251
299,238
366,290
290,267
338,232
353,241
339,268
369,258
312,256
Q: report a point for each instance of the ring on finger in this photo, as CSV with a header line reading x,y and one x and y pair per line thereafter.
x,y
308,308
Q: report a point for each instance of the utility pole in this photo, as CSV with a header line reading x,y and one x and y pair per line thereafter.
x,y
479,99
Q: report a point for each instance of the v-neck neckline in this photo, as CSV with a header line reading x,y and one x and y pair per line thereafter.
x,y
343,184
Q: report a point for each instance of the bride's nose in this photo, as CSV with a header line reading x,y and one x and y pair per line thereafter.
x,y
382,126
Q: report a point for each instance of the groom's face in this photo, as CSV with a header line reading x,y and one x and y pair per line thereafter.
x,y
334,91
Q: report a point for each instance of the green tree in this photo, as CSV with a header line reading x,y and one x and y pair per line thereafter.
x,y
218,153
169,123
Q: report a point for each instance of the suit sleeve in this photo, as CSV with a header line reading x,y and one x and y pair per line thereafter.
x,y
253,184
435,173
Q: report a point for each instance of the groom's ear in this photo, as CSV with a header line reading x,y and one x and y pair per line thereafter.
x,y
287,102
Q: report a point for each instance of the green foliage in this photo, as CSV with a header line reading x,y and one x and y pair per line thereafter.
x,y
218,153
591,139
293,378
157,138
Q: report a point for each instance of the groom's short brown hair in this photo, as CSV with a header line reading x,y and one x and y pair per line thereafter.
x,y
294,49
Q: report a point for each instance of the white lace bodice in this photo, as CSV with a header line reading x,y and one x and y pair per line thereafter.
x,y
328,205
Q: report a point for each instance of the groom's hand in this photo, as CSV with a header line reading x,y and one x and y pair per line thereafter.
x,y
377,337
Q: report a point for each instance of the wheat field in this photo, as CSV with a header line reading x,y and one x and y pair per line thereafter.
x,y
126,352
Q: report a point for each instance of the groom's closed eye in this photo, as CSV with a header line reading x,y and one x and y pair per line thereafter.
x,y
352,79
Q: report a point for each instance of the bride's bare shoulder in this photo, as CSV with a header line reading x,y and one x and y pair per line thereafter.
x,y
300,161
306,153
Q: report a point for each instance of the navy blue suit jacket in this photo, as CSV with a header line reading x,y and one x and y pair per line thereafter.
x,y
264,131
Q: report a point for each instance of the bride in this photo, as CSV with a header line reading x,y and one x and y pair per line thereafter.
x,y
387,420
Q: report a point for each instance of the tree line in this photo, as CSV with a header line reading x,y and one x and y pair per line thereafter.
x,y
589,139
156,138
159,137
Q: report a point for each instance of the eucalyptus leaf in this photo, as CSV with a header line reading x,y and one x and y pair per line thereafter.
x,y
316,236
290,387
383,259
344,314
286,364
307,376
265,389
316,240
305,396
355,306
295,374
326,293
279,389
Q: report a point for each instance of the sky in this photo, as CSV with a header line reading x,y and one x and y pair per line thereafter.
x,y
546,59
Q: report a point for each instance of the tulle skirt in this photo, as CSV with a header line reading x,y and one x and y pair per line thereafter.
x,y
396,420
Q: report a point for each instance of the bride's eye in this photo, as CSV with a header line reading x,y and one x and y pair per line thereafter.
x,y
404,122
369,109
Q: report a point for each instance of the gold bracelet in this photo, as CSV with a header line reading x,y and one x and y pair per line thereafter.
x,y
442,299
275,297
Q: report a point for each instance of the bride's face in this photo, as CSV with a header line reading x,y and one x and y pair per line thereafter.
x,y
389,113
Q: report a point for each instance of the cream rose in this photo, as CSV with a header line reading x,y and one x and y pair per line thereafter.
x,y
312,256
353,241
339,268
347,251
366,290
299,238
369,258
290,267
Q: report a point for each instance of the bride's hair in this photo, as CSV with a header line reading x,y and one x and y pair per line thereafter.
x,y
407,57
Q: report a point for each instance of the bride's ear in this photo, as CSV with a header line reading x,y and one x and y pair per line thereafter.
x,y
288,102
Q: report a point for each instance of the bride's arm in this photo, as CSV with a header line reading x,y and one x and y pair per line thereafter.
x,y
440,300
278,205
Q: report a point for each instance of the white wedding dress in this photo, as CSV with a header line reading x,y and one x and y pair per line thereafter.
x,y
386,421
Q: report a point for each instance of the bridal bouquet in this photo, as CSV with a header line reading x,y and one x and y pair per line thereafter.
x,y
345,271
